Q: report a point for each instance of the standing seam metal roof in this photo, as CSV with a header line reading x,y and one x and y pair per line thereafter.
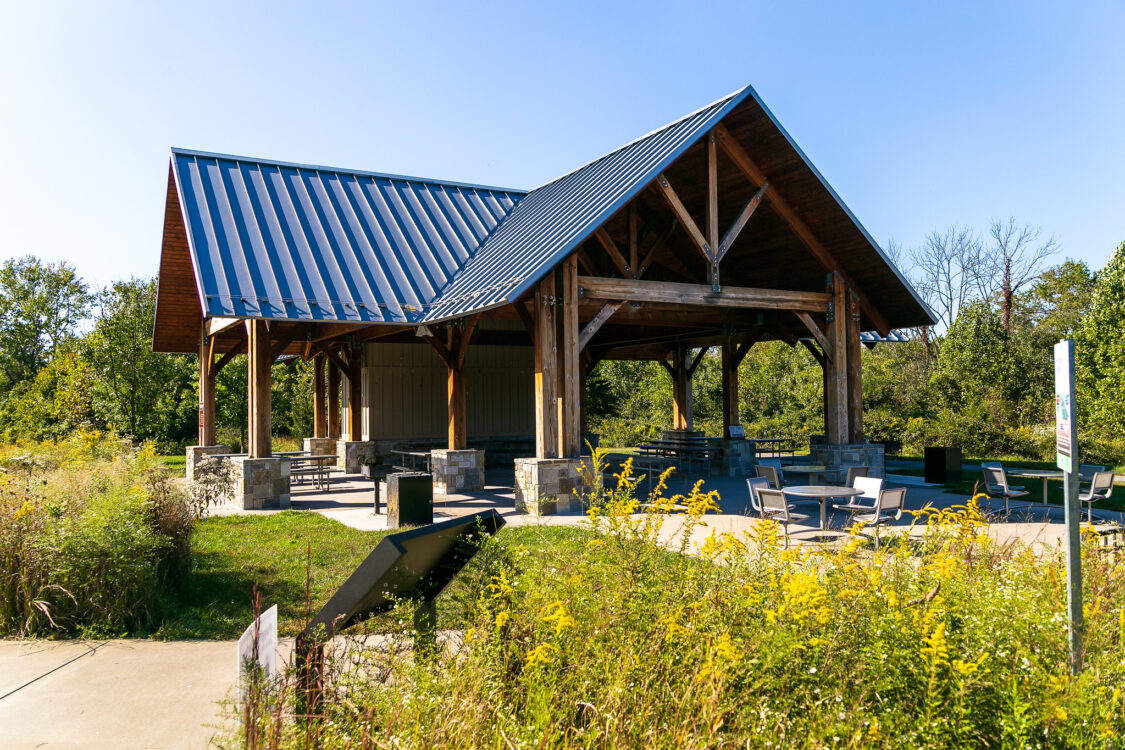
x,y
297,242
554,219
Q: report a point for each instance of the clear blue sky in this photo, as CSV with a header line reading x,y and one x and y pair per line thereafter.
x,y
920,115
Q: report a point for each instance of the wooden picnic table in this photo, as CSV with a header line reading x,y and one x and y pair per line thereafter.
x,y
413,459
777,448
315,466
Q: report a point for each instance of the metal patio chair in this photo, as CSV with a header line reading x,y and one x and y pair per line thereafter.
x,y
775,507
1101,488
887,509
755,484
771,473
996,483
853,472
866,502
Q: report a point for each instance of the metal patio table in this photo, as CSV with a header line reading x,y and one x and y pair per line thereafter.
x,y
812,472
1043,474
821,493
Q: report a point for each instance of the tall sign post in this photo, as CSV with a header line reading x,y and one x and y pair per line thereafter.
x,y
1066,455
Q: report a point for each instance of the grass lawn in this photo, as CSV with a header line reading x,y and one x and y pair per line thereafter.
x,y
174,463
231,554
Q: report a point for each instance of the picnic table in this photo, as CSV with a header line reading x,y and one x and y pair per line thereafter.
x,y
1044,474
317,467
412,459
689,449
779,446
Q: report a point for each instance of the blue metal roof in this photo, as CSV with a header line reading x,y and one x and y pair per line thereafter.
x,y
554,219
298,242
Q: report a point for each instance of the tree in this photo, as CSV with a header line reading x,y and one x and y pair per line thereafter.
x,y
41,305
1059,300
1100,352
1013,259
945,269
136,391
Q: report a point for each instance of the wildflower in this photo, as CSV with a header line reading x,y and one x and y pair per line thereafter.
x,y
24,510
556,613
541,654
502,618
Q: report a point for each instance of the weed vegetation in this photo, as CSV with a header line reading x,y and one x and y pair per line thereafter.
x,y
92,531
608,636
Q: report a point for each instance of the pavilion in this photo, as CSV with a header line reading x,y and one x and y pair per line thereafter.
x,y
469,314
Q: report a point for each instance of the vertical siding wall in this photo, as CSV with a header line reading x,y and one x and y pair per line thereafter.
x,y
405,388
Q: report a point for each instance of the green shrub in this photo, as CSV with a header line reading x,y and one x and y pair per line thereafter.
x,y
90,531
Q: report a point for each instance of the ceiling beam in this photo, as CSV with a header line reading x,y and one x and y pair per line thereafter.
x,y
817,333
739,223
596,322
697,294
611,249
681,212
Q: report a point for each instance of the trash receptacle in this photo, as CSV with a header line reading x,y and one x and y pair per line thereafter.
x,y
943,464
410,499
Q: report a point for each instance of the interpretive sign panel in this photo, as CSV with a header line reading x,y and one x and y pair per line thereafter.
x,y
1064,405
257,648
415,564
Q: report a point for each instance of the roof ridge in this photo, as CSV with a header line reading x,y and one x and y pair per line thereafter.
x,y
638,139
176,151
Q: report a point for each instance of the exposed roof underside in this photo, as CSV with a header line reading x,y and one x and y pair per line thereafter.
x,y
302,243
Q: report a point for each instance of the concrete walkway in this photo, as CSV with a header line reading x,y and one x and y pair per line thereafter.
x,y
112,694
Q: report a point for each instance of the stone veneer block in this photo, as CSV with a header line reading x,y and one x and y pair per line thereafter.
x,y
321,446
457,471
261,483
353,454
545,486
733,458
196,453
854,454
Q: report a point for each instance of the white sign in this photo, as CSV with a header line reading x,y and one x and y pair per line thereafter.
x,y
1064,405
258,645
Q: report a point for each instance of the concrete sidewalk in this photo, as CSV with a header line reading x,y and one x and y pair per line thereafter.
x,y
113,694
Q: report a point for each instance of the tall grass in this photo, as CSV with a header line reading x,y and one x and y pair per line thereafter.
x,y
606,637
91,529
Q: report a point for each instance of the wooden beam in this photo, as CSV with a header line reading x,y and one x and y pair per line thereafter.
x,y
730,385
441,349
331,356
320,425
854,370
570,399
836,366
282,343
464,337
457,347
712,197
611,249
698,358
355,395
222,362
818,355
633,290
546,376
258,387
596,322
681,212
740,223
633,240
206,392
334,372
669,367
748,167
586,261
681,391
817,333
744,347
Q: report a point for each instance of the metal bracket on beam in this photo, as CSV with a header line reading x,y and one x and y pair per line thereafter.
x,y
831,314
715,277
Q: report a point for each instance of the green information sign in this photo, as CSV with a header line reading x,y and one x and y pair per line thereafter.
x,y
1064,405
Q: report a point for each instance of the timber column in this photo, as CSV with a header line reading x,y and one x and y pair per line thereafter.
x,y
681,390
456,469
319,444
353,452
207,371
263,480
547,483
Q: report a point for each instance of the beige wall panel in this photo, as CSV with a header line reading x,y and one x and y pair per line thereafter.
x,y
406,384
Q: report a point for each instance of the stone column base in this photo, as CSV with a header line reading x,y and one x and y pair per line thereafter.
x,y
261,483
854,454
352,454
545,486
322,446
457,471
196,454
733,458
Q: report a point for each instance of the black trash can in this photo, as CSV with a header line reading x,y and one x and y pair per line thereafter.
x,y
943,464
410,499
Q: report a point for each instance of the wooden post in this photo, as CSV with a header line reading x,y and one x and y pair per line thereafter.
x,y
570,398
681,390
855,371
730,385
259,418
333,401
320,428
546,377
206,393
355,395
836,381
458,431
